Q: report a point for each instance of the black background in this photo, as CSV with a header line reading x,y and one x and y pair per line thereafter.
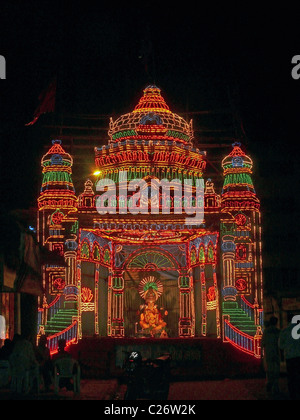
x,y
194,51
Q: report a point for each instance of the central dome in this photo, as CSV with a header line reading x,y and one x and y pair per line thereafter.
x,y
151,119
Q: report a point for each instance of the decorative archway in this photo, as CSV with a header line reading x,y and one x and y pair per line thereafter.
x,y
177,298
150,260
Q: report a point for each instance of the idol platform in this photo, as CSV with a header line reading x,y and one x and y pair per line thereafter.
x,y
192,358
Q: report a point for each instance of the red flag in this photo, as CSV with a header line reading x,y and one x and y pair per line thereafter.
x,y
47,102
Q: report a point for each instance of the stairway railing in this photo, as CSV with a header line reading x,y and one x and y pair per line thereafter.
x,y
253,311
242,341
69,334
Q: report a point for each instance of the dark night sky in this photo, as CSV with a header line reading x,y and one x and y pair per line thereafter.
x,y
198,51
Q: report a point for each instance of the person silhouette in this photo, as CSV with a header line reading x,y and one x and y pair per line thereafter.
x,y
23,361
6,349
272,355
44,360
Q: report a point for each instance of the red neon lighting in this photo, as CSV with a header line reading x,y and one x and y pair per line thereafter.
x,y
60,334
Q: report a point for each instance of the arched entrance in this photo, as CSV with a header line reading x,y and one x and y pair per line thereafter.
x,y
168,301
151,265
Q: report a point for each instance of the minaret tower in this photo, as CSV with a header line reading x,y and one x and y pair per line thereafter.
x,y
241,238
56,201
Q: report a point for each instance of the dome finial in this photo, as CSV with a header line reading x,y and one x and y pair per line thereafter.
x,y
152,101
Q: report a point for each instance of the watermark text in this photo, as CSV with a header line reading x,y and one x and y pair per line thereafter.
x,y
153,197
2,67
296,329
296,68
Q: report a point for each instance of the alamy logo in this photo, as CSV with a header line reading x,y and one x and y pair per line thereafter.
x,y
156,197
296,68
2,67
296,329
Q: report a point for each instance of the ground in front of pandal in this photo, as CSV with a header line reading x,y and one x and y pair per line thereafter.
x,y
221,373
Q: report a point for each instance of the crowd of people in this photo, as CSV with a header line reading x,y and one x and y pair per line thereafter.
x,y
23,356
278,344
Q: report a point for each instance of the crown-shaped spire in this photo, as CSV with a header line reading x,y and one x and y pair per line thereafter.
x,y
237,151
238,189
57,190
152,101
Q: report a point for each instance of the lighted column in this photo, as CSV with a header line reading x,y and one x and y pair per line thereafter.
x,y
71,289
97,271
204,302
186,305
78,271
217,300
116,305
228,260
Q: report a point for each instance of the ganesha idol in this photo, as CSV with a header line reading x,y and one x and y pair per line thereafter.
x,y
151,320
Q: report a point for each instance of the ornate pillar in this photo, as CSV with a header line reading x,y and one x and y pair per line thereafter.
x,y
70,257
228,259
71,289
186,305
97,270
115,323
78,271
217,301
204,300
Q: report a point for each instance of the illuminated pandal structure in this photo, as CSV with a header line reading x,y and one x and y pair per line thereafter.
x,y
209,272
